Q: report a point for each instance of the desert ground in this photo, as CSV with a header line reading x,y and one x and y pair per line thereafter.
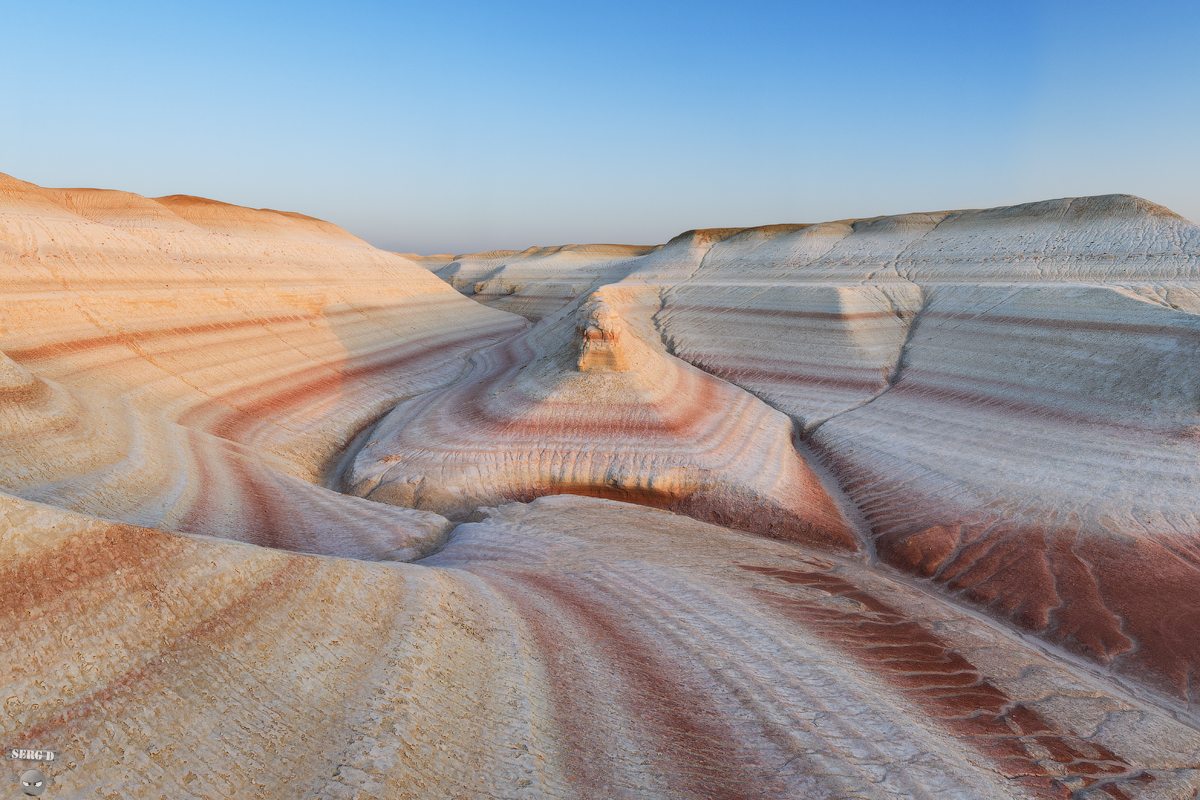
x,y
893,507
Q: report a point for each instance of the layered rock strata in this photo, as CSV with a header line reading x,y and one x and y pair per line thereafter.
x,y
195,366
1009,397
568,648
535,282
588,402
920,439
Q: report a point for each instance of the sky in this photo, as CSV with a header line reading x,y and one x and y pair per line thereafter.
x,y
464,126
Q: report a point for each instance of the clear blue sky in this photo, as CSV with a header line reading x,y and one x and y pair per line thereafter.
x,y
451,127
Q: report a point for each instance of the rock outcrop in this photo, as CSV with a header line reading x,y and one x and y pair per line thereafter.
x,y
535,282
572,647
1010,398
896,507
194,366
589,403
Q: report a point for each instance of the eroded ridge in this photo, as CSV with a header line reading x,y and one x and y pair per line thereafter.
x,y
589,403
194,366
950,688
1067,503
1009,397
1001,404
812,674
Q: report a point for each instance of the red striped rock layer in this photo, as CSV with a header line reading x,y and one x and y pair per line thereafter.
x,y
813,317
236,324
708,664
72,449
190,365
1005,390
199,668
200,365
1038,456
801,314
589,403
1108,239
573,648
1034,450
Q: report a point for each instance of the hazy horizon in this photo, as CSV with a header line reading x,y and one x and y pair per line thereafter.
x,y
470,127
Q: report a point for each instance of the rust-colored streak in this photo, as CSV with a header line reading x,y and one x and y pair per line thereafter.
x,y
926,386
74,346
579,736
261,502
201,516
32,392
691,748
638,495
1079,588
707,504
130,687
749,371
1165,620
1187,336
945,685
37,582
275,396
258,508
239,498
253,327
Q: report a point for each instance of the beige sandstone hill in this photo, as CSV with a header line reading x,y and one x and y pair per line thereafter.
x,y
934,480
195,366
604,411
1009,397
